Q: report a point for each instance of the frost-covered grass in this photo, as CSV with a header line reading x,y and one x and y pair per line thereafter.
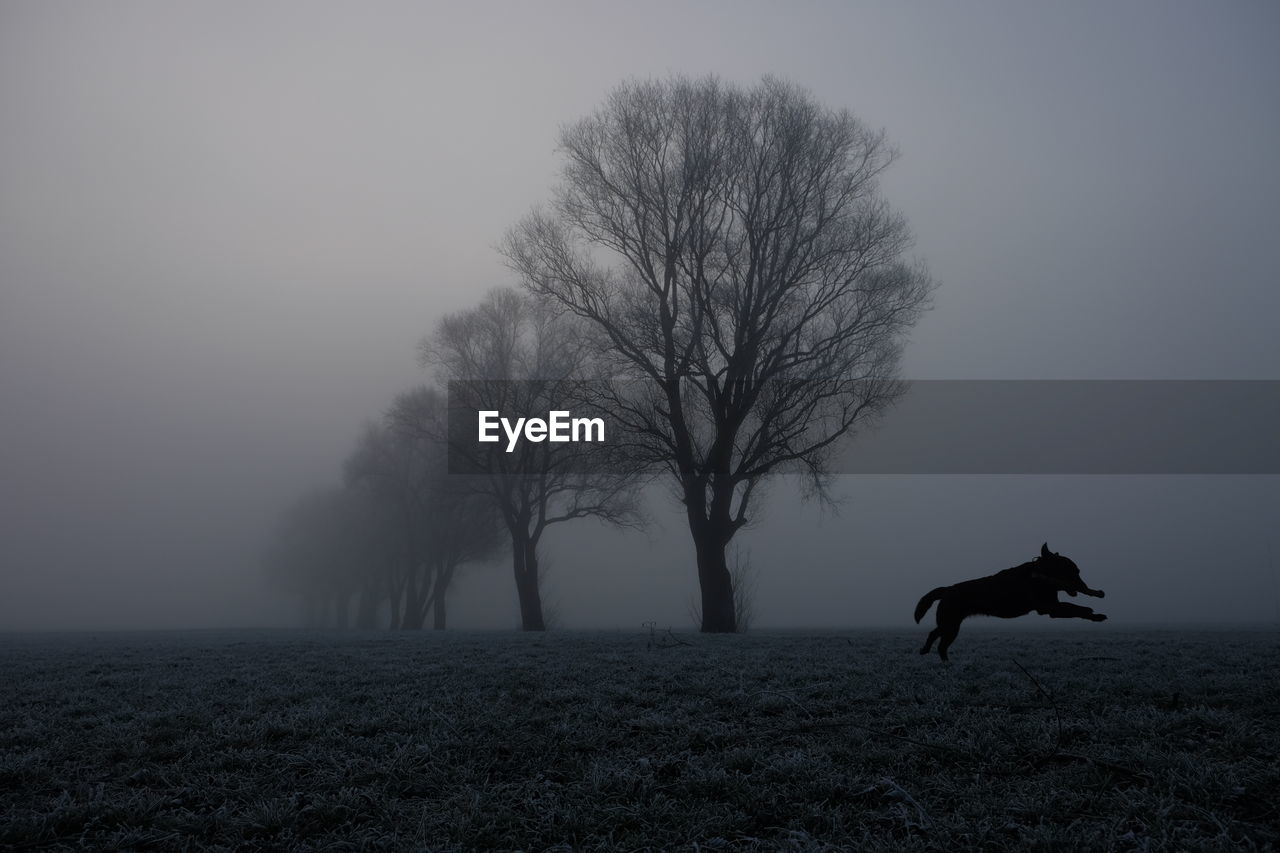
x,y
1155,740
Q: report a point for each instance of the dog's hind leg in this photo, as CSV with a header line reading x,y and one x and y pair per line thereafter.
x,y
949,632
928,644
948,627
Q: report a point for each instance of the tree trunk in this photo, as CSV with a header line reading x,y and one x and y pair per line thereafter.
x,y
709,525
415,615
443,577
525,563
367,610
718,614
437,613
397,594
417,599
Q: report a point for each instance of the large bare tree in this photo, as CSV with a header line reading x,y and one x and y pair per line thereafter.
x,y
731,249
522,357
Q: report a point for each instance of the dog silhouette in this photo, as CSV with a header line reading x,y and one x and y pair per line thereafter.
x,y
1008,594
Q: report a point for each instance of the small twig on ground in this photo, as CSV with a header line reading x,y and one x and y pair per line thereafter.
x,y
1056,753
448,724
666,641
1118,769
902,794
1053,703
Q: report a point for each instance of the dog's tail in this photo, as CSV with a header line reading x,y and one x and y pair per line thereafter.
x,y
925,603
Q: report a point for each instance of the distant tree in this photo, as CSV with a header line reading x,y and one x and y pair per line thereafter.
x,y
391,474
375,547
458,526
438,524
730,249
320,551
515,355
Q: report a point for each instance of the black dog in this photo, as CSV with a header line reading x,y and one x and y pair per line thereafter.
x,y
1013,592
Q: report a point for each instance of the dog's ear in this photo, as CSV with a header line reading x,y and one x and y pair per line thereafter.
x,y
1044,550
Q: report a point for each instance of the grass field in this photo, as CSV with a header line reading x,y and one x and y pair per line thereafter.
x,y
1157,740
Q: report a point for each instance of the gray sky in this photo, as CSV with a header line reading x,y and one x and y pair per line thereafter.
x,y
223,227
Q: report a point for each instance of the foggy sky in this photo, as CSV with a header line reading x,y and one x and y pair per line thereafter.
x,y
224,226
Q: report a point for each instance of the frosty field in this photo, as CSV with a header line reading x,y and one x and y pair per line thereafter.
x,y
640,739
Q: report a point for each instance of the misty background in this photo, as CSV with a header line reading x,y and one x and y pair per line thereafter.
x,y
225,227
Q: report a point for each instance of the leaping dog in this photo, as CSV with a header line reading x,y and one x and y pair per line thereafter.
x,y
1008,594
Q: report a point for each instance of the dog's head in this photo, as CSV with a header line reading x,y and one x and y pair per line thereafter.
x,y
1061,573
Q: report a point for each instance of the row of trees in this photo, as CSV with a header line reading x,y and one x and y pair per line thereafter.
x,y
394,534
721,263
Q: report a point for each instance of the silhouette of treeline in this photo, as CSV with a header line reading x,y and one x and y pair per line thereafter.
x,y
395,532
394,535
720,261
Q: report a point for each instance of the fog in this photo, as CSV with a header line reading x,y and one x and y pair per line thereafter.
x,y
224,227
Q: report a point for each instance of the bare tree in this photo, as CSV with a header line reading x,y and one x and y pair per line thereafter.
x,y
458,526
321,550
391,472
515,355
402,464
730,249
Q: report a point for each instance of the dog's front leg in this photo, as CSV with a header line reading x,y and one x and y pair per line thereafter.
x,y
1063,610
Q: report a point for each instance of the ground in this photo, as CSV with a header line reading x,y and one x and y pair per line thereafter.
x,y
640,739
